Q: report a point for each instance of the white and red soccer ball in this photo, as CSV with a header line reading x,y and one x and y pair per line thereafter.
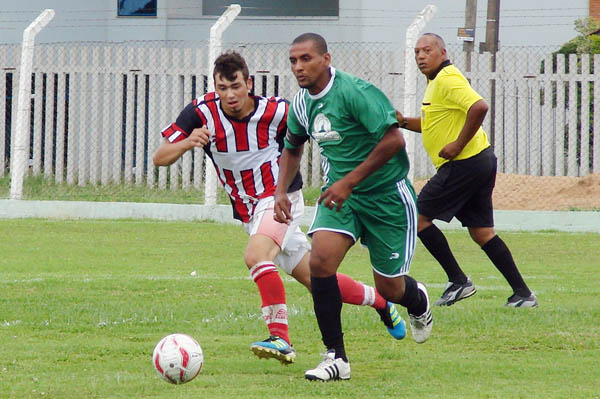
x,y
178,358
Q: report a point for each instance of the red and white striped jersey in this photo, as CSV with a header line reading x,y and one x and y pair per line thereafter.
x,y
245,152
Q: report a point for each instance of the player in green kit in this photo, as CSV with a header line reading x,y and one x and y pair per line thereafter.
x,y
366,194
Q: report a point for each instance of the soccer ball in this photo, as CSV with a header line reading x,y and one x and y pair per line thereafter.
x,y
178,358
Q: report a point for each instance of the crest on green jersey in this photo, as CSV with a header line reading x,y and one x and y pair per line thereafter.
x,y
322,130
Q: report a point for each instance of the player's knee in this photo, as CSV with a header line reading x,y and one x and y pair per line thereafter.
x,y
390,289
302,272
423,222
482,235
320,266
390,294
252,258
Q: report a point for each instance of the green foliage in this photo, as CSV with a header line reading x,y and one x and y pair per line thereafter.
x,y
84,302
587,42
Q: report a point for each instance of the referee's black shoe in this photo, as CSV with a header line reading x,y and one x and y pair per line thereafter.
x,y
455,292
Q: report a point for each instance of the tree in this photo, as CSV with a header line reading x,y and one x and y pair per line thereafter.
x,y
588,40
585,44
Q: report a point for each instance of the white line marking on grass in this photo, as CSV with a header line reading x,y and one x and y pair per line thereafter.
x,y
151,278
483,287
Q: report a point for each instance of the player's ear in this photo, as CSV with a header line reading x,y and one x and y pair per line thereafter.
x,y
327,58
249,84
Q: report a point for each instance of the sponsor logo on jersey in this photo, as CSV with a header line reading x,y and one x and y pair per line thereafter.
x,y
322,130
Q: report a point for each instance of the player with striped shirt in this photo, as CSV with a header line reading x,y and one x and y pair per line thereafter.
x,y
243,136
366,193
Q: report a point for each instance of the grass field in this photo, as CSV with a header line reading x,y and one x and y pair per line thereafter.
x,y
82,304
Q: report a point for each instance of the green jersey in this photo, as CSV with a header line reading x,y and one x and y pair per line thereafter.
x,y
347,119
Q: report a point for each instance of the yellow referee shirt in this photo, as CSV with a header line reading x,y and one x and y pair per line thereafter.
x,y
447,99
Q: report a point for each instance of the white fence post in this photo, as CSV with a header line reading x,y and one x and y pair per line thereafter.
x,y
3,75
38,98
596,140
140,133
20,156
214,48
410,74
61,114
48,133
108,110
584,142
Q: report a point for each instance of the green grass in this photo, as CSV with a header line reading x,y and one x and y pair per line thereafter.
x,y
40,188
82,304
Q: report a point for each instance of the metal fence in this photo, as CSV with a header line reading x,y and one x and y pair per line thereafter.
x,y
98,108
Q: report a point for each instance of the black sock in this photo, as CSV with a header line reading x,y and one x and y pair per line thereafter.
x,y
501,257
435,242
413,299
327,302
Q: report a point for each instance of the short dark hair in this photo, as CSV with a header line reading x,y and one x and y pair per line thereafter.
x,y
228,64
318,40
440,41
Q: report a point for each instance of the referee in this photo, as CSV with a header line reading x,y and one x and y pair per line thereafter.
x,y
450,123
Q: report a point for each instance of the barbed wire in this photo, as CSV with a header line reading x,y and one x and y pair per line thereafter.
x,y
386,26
303,19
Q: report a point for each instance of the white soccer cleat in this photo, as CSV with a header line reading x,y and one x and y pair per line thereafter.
x,y
421,325
329,369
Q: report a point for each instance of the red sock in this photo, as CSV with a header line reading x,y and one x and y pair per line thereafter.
x,y
356,293
272,293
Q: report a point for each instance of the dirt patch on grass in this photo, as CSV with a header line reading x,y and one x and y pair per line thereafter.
x,y
552,193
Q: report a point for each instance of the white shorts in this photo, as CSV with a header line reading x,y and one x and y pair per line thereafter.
x,y
290,238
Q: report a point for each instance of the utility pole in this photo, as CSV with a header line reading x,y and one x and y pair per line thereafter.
x,y
470,22
492,30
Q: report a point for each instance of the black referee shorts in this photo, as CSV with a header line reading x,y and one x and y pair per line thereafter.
x,y
462,189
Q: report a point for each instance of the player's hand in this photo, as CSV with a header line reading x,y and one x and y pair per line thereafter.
x,y
399,116
282,211
450,150
199,137
335,195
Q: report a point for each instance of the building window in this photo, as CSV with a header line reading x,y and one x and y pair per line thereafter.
x,y
136,8
271,8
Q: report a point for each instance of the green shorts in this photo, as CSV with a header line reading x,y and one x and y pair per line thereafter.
x,y
386,224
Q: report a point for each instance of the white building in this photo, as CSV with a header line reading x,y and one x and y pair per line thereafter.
x,y
522,23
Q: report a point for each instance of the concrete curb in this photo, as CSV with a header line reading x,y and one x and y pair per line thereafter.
x,y
505,220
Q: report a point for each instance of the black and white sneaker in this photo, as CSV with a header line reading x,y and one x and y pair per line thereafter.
x,y
329,369
421,325
455,292
516,301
